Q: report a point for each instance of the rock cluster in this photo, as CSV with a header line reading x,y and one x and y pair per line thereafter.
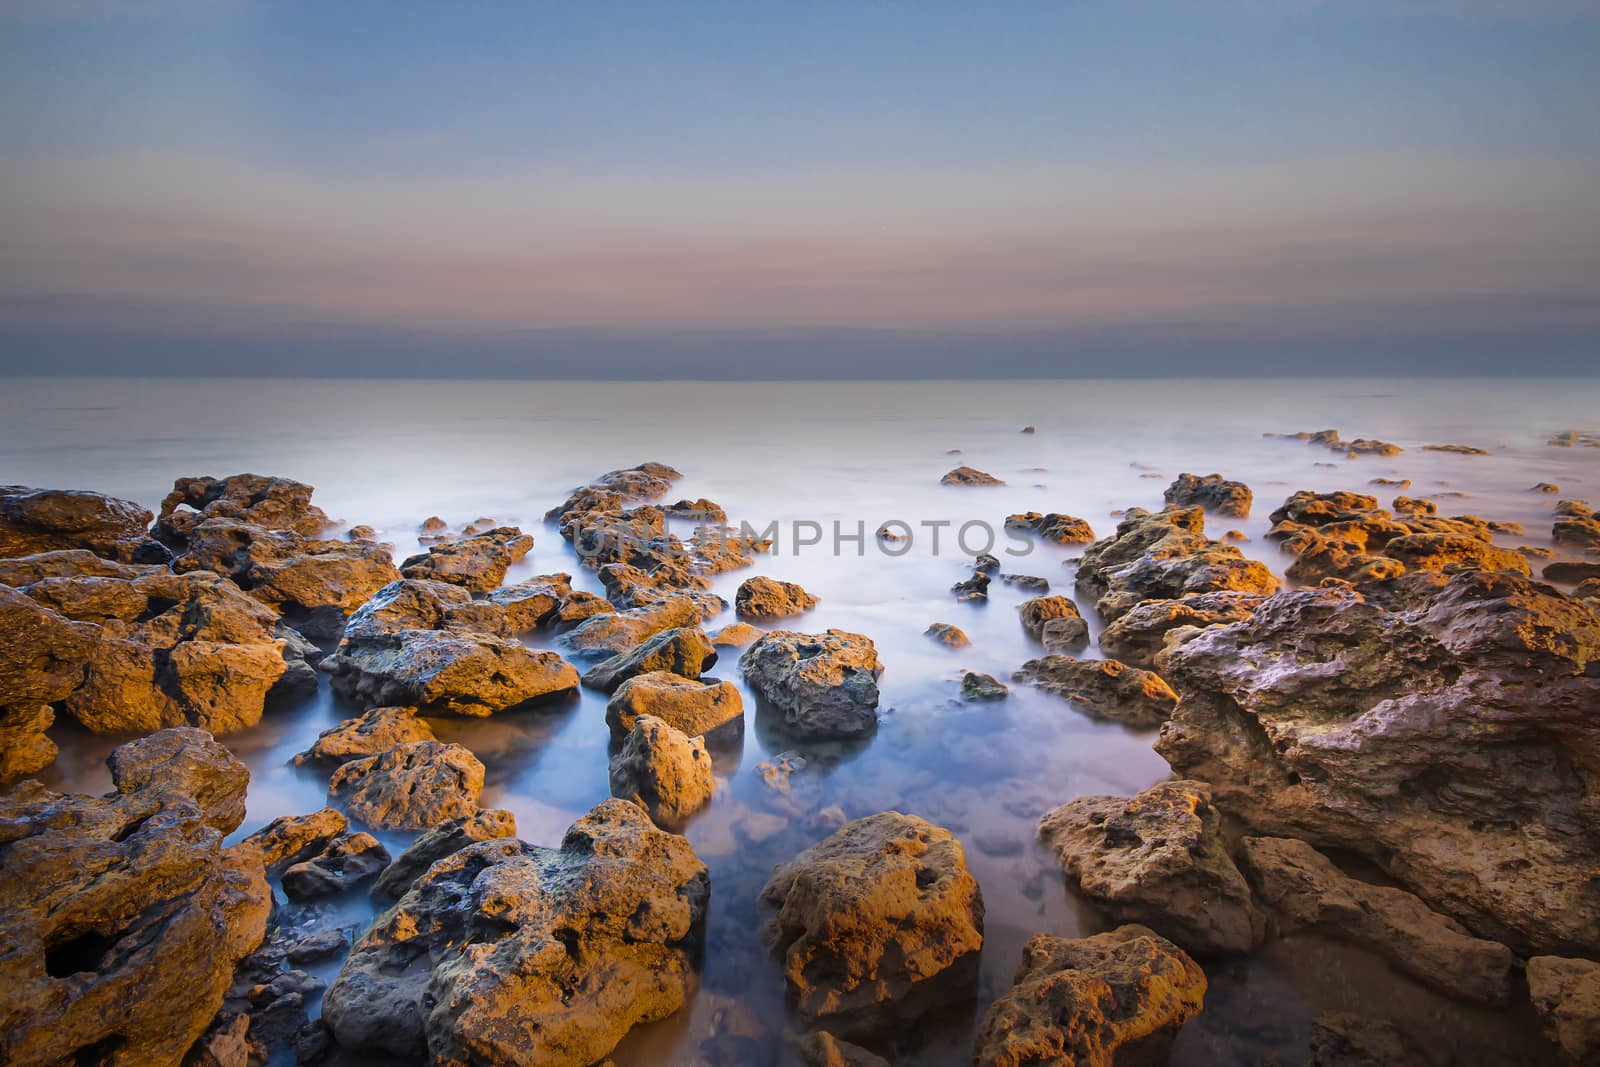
x,y
1053,526
1361,446
1164,555
1212,492
477,564
259,500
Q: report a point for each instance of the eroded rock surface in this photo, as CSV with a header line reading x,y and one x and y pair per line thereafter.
x,y
694,706
369,734
1104,688
477,564
969,476
47,520
486,824
1139,634
1163,556
1053,526
664,771
409,787
260,500
825,684
762,598
1211,492
1566,994
685,651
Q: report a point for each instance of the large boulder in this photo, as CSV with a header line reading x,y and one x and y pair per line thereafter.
x,y
877,924
1307,892
684,651
1212,492
664,771
370,734
69,563
1156,859
1163,556
1440,726
1115,998
486,824
509,953
124,918
261,500
694,706
1566,994
762,598
477,564
42,657
1104,688
189,763
825,684
46,520
410,787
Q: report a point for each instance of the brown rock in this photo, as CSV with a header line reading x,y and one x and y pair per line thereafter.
x,y
825,684
1054,527
685,651
1566,994
276,503
692,706
1104,688
969,476
477,564
1040,610
486,824
736,635
47,520
763,598
189,763
1164,556
370,734
409,787
619,631
24,747
948,635
664,771
291,838
1139,635
1212,492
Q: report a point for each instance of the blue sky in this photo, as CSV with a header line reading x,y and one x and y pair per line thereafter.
x,y
322,179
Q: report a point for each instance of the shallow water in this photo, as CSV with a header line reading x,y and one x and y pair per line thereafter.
x,y
390,453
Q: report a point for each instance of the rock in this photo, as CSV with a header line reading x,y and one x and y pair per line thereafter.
x,y
685,651
1568,438
291,838
528,605
24,747
318,946
986,564
370,734
1432,724
578,606
1546,487
694,707
622,630
825,684
1391,483
1114,998
486,824
1439,551
1157,859
300,661
973,588
346,862
736,635
187,762
409,787
877,924
969,476
1576,526
275,503
1589,587
1308,892
49,520
509,953
1566,994
764,598
1460,450
124,918
1571,571
664,771
1212,492
1027,429
1028,583
42,656
1361,446
1043,609
976,686
69,563
361,532
1054,527
477,564
1140,633
776,772
1164,556
1345,1039
1104,688
948,635
821,1049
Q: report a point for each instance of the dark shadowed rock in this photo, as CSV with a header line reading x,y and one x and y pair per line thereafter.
x,y
685,651
409,787
1157,859
486,824
826,684
47,520
821,1049
1346,1039
345,862
976,686
1041,610
1577,526
877,924
509,953
1566,994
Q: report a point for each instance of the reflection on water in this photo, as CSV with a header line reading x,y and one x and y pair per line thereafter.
x,y
392,453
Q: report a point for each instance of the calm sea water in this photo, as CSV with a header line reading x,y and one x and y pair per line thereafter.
x,y
390,453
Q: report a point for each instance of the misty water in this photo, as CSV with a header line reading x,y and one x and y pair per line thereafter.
x,y
391,453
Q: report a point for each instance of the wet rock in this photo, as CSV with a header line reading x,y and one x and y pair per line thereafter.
x,y
736,635
1164,556
69,563
693,706
1044,609
124,918
347,861
1576,526
1566,994
1459,450
877,924
1158,859
477,564
486,824
1438,552
948,635
188,763
685,651
825,684
976,686
765,598
1432,724
48,520
664,771
300,661
528,605
973,588
1571,571
409,787
509,953
1028,583
969,476
1569,438
318,946
24,747
370,734
1361,446
1345,1039
291,838
1589,587
1114,998
1053,526
1307,892
1138,635
261,500
821,1049
622,630
1212,492
986,564
1104,688
579,605
362,532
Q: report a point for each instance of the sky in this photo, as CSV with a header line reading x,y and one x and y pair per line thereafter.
x,y
887,189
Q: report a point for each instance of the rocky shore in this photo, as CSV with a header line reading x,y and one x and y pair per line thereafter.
x,y
1388,742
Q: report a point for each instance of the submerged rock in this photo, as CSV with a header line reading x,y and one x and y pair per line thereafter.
x,y
124,916
877,924
973,588
486,824
1348,1039
48,520
1105,688
977,686
685,651
825,684
693,706
509,953
409,787
948,635
370,734
345,862
477,564
664,771
764,598
1434,725
1212,492
1157,859
969,476
1307,892
1114,998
